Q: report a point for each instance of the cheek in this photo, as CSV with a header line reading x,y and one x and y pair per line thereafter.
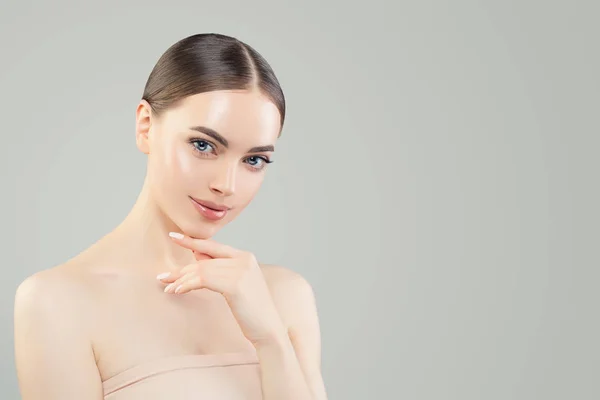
x,y
248,185
175,166
182,163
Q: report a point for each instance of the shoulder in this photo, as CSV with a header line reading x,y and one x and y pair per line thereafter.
x,y
282,280
61,279
292,294
54,354
60,290
279,274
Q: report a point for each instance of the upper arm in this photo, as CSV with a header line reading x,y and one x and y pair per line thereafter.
x,y
53,353
296,302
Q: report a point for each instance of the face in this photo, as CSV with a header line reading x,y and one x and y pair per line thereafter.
x,y
208,156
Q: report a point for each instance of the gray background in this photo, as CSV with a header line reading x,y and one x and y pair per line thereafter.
x,y
436,181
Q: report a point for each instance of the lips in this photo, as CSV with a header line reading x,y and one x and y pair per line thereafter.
x,y
209,210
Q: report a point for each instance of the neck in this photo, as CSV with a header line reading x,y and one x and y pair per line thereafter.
x,y
143,237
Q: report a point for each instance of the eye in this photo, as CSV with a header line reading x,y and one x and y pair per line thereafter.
x,y
257,162
202,146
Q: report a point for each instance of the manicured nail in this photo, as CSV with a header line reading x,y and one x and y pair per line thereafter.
x,y
169,286
163,275
178,289
176,235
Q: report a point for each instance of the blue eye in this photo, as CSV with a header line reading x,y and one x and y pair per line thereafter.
x,y
202,146
257,162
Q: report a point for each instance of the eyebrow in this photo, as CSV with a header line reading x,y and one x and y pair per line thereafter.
x,y
219,138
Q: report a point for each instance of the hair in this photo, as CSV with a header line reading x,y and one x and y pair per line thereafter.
x,y
208,62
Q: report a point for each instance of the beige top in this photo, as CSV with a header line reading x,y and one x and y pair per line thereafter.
x,y
231,376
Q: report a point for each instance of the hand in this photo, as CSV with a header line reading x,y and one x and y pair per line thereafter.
x,y
238,277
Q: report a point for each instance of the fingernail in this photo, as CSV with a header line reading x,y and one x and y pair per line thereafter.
x,y
169,286
163,275
176,235
177,289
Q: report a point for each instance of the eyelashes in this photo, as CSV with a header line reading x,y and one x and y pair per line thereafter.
x,y
262,159
205,148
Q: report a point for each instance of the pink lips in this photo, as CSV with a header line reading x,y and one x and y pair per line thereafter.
x,y
210,210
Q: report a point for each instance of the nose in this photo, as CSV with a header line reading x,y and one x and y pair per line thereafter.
x,y
223,183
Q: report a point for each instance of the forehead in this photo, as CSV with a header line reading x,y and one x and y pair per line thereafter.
x,y
240,116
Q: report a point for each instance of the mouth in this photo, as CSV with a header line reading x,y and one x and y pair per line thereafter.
x,y
209,210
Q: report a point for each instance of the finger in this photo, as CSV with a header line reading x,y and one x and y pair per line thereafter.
x,y
219,284
212,263
204,246
168,277
170,288
201,256
215,274
171,276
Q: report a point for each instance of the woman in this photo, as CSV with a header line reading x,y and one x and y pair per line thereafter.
x,y
156,309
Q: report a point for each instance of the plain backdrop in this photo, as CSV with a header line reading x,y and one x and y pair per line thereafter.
x,y
436,181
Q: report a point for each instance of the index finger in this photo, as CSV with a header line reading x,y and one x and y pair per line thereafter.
x,y
205,246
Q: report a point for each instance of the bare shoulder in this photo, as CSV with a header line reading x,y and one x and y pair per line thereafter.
x,y
282,280
59,279
279,274
54,357
292,293
60,289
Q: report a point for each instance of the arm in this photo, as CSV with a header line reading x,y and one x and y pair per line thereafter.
x,y
54,357
267,303
291,363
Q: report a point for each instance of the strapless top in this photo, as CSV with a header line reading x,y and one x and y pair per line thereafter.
x,y
228,376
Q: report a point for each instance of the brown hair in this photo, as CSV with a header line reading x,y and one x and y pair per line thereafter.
x,y
207,62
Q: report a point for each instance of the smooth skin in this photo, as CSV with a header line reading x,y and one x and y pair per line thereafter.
x,y
142,292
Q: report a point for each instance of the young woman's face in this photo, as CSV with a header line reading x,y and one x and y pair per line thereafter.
x,y
210,151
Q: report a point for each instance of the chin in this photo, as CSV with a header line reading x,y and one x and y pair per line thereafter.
x,y
200,230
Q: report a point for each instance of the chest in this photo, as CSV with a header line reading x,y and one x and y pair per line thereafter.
x,y
141,323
